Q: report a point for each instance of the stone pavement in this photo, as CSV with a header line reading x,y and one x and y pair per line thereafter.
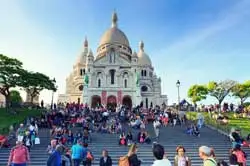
x,y
170,138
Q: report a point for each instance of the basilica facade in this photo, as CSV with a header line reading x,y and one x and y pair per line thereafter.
x,y
116,75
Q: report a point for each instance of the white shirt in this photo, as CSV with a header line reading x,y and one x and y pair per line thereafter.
x,y
163,162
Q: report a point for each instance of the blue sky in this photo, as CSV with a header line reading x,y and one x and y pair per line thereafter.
x,y
194,41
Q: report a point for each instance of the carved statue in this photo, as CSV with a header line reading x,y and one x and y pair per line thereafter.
x,y
86,79
137,79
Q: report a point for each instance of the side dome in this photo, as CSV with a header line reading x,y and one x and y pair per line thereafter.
x,y
143,58
114,34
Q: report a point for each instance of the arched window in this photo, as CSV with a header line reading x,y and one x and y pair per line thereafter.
x,y
125,83
81,72
142,73
99,83
112,76
145,73
146,102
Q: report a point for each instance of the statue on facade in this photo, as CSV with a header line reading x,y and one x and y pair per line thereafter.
x,y
137,80
86,79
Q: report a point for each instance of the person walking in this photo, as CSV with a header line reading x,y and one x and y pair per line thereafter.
x,y
19,155
157,125
77,153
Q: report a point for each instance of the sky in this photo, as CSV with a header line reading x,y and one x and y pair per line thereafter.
x,y
192,41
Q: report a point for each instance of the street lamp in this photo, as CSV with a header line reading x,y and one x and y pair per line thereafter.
x,y
178,88
52,99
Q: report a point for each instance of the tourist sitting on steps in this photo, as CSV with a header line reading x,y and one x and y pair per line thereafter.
x,y
196,131
129,138
122,139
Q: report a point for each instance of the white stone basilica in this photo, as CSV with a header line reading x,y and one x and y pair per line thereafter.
x,y
115,76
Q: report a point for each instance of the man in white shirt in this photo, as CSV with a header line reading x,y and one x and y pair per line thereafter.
x,y
158,152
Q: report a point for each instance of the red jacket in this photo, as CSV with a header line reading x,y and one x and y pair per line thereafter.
x,y
19,154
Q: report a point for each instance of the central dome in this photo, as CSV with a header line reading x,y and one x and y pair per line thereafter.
x,y
114,34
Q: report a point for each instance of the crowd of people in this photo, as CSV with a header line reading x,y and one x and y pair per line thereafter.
x,y
71,131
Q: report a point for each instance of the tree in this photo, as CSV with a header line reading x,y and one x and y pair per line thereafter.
x,y
34,83
220,90
10,75
242,91
15,97
197,93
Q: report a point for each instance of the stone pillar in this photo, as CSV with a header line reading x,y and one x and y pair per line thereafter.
x,y
85,94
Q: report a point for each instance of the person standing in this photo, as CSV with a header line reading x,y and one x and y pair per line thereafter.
x,y
105,160
55,159
181,159
20,132
159,152
77,153
205,154
19,155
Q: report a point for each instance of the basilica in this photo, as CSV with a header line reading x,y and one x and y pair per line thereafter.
x,y
115,75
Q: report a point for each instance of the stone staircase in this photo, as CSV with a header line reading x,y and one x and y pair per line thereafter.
x,y
170,137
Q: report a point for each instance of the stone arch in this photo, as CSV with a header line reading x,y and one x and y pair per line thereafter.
x,y
127,101
95,101
111,102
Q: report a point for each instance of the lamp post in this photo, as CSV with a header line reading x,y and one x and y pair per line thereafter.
x,y
178,88
52,99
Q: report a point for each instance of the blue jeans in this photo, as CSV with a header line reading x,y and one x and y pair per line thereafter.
x,y
77,162
22,164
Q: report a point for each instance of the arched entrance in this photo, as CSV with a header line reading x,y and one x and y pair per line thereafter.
x,y
111,102
95,101
126,101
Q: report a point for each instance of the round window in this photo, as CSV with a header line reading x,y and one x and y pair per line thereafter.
x,y
144,88
81,87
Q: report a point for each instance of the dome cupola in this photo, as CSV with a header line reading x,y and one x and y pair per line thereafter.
x,y
143,58
114,35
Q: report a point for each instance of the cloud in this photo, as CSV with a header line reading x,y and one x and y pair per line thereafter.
x,y
35,47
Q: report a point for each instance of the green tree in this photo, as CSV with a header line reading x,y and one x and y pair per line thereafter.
x,y
15,97
10,76
220,90
197,93
34,83
242,91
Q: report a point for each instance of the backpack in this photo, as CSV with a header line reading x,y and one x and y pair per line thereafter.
x,y
89,156
241,158
123,161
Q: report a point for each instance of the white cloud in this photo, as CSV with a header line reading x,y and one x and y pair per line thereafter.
x,y
35,47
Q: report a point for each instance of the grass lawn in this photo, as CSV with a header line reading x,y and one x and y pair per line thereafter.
x,y
241,123
7,119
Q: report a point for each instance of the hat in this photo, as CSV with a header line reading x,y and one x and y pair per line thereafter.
x,y
206,150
